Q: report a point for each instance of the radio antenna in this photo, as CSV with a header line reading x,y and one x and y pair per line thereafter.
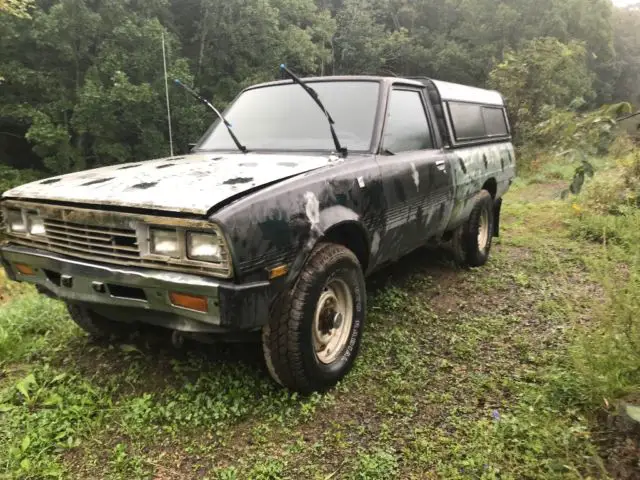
x,y
166,88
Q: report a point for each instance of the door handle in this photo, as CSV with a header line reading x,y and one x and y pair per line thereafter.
x,y
440,164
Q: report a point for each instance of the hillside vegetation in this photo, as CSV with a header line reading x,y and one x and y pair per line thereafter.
x,y
82,81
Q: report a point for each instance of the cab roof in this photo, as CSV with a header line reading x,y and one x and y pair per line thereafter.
x,y
448,91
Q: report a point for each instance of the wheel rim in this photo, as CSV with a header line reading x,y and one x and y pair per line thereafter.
x,y
332,321
483,230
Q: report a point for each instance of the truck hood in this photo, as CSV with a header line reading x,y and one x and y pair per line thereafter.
x,y
191,184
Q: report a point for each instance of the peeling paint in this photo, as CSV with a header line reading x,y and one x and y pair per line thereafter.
x,y
193,185
312,209
415,175
375,243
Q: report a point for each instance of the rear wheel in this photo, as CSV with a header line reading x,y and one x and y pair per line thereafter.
x,y
313,337
472,240
96,325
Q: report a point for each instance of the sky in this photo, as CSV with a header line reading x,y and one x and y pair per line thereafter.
x,y
622,3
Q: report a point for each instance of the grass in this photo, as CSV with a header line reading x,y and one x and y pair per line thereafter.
x,y
482,373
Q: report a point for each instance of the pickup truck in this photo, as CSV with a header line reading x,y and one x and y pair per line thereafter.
x,y
268,227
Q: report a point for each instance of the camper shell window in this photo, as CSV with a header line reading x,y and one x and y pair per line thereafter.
x,y
472,121
471,115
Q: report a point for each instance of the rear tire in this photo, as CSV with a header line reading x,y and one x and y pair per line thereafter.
x,y
314,333
472,240
97,326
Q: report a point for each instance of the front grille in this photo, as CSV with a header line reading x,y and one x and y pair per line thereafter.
x,y
109,238
97,241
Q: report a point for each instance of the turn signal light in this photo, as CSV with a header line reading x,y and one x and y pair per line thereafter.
x,y
192,302
278,272
24,269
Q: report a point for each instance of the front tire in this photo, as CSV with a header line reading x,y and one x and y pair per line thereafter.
x,y
314,333
97,326
472,240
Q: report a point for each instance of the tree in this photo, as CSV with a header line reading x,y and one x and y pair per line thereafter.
x,y
543,74
17,8
626,30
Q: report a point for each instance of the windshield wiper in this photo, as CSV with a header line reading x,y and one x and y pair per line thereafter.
x,y
195,95
314,95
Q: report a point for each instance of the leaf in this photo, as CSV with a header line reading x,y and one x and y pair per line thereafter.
x,y
130,349
633,411
26,441
25,464
53,399
24,385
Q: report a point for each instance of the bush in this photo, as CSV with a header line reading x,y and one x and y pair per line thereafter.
x,y
12,177
608,355
616,190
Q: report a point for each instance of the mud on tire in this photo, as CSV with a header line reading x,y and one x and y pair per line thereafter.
x,y
303,319
472,240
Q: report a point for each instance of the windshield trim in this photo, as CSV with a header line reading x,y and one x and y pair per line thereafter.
x,y
376,120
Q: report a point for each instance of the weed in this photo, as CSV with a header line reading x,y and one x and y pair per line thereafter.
x,y
376,465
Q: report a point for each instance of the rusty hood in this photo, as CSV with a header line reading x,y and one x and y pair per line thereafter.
x,y
192,184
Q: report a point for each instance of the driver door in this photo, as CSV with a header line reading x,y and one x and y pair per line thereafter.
x,y
415,175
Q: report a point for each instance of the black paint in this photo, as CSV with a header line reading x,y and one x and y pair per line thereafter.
x,y
144,185
237,180
50,181
95,182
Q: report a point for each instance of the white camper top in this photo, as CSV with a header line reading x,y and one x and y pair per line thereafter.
x,y
463,93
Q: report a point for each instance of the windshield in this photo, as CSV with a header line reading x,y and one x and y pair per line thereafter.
x,y
285,117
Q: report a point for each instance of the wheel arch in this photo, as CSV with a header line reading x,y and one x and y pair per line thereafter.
x,y
491,186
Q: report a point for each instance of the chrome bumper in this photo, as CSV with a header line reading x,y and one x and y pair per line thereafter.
x,y
125,288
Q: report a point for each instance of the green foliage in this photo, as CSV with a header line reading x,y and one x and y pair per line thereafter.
x,y
29,323
377,465
12,177
617,191
83,82
17,8
542,75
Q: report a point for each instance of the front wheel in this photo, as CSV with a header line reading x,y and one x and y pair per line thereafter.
x,y
313,337
97,326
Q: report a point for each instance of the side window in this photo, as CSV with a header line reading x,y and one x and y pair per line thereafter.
x,y
494,121
467,120
407,127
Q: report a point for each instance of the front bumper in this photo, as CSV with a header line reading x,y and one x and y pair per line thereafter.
x,y
123,289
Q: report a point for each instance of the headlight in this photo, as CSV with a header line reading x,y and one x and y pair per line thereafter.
x,y
204,247
165,243
15,221
36,225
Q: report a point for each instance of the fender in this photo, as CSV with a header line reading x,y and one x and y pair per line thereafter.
x,y
329,219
